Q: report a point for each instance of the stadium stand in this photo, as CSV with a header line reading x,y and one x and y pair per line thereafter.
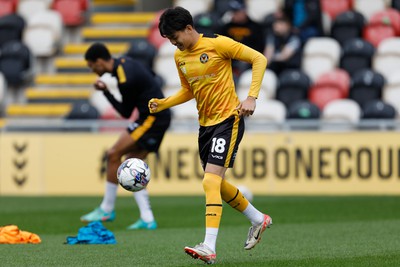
x,y
207,23
65,79
7,7
78,49
57,95
28,8
270,111
369,7
342,110
328,87
16,63
112,5
268,86
220,7
391,90
366,85
347,25
396,4
334,8
359,38
154,36
3,92
387,57
43,33
356,55
82,110
378,109
163,63
71,11
194,6
11,28
143,51
293,86
320,55
382,25
258,9
304,110
38,110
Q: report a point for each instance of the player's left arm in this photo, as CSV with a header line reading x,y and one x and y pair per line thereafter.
x,y
259,64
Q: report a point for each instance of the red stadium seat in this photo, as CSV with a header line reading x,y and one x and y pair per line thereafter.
x,y
389,16
337,78
375,33
72,11
334,8
382,25
330,86
322,95
7,7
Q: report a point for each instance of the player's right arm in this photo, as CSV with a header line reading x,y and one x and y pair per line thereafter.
x,y
182,96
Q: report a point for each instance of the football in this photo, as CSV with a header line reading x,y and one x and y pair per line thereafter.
x,y
133,174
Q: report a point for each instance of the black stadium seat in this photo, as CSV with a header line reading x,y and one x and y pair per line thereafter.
x,y
11,28
356,55
347,25
366,85
293,86
207,23
377,109
303,109
143,51
15,62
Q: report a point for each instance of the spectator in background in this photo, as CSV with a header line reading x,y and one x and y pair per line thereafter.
x,y
283,49
240,27
305,16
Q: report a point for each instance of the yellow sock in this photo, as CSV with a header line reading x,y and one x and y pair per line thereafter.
x,y
212,188
231,195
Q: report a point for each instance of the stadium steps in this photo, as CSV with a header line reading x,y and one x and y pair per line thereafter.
x,y
114,33
53,95
67,79
57,95
109,18
68,64
80,48
112,5
38,110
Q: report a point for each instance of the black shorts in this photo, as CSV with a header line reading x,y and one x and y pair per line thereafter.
x,y
148,133
218,144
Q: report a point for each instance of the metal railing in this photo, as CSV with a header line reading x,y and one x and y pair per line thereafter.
x,y
190,125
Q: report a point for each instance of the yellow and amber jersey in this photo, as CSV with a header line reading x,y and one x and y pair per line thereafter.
x,y
205,71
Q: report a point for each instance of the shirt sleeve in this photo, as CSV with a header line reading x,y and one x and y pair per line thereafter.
x,y
235,50
124,110
180,97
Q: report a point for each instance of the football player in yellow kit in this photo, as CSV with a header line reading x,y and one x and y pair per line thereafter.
x,y
204,67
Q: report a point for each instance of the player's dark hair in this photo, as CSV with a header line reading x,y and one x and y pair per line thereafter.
x,y
96,51
173,20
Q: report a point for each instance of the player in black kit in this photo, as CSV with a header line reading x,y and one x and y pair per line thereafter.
x,y
137,85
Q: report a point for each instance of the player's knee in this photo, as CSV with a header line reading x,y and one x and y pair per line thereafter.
x,y
211,182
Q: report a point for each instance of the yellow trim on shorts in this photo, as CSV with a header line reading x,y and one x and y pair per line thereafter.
x,y
235,130
142,129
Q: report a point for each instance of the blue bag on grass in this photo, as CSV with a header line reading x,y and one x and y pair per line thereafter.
x,y
93,233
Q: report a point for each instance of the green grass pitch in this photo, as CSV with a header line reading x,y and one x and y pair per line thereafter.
x,y
307,231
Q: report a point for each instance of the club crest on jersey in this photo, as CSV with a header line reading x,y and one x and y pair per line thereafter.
x,y
203,58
